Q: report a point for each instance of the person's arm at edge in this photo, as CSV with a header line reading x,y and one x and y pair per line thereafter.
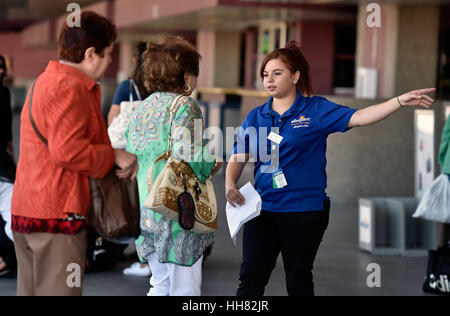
x,y
444,148
376,113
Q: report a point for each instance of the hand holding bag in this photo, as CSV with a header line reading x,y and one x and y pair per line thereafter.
x,y
115,208
179,195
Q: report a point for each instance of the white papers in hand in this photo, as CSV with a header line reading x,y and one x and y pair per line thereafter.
x,y
240,215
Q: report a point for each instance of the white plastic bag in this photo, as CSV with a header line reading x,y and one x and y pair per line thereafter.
x,y
435,203
116,130
119,125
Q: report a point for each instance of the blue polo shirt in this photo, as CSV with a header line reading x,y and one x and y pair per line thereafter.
x,y
302,153
123,93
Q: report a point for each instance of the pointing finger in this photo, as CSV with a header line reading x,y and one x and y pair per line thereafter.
x,y
423,91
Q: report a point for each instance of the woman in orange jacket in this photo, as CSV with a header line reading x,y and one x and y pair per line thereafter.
x,y
51,194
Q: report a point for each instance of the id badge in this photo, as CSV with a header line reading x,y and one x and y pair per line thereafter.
x,y
274,137
279,179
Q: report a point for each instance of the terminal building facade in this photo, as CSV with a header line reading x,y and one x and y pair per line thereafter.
x,y
360,52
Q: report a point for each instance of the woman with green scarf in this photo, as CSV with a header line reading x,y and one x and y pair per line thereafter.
x,y
444,161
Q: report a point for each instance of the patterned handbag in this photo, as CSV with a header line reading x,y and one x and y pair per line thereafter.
x,y
179,195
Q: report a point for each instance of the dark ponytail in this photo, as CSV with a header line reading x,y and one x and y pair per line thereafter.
x,y
294,60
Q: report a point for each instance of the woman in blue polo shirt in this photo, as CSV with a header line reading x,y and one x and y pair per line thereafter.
x,y
133,87
292,179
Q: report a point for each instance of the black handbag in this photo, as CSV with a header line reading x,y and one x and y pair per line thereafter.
x,y
437,280
115,209
101,254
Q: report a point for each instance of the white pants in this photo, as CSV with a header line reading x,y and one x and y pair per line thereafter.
x,y
169,279
6,190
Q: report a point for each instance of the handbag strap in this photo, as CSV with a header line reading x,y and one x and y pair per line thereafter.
x,y
131,91
172,113
33,123
164,156
136,89
168,153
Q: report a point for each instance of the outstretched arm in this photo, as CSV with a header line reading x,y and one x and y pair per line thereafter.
x,y
376,113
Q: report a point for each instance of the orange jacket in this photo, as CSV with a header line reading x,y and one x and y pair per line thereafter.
x,y
53,181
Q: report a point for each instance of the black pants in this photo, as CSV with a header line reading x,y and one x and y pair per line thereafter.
x,y
296,235
444,235
7,251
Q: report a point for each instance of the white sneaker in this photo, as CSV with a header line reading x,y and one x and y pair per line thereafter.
x,y
137,270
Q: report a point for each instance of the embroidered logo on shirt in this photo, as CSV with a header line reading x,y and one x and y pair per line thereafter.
x,y
302,121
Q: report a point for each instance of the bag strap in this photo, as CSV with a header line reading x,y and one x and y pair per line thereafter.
x,y
136,89
165,157
173,113
131,91
33,123
168,153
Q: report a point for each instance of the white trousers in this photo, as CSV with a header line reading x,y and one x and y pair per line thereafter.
x,y
169,279
6,191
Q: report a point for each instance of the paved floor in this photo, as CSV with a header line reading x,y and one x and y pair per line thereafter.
x,y
340,269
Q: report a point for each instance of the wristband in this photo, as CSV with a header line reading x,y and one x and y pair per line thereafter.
x,y
399,102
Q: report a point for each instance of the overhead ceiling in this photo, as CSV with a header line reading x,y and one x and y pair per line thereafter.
x,y
17,14
234,18
239,14
403,2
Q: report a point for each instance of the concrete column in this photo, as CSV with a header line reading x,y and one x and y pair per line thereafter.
x,y
387,85
418,47
206,43
220,64
404,49
251,37
228,59
125,60
318,42
377,47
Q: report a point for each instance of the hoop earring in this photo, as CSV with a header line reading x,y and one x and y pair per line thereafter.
x,y
188,89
